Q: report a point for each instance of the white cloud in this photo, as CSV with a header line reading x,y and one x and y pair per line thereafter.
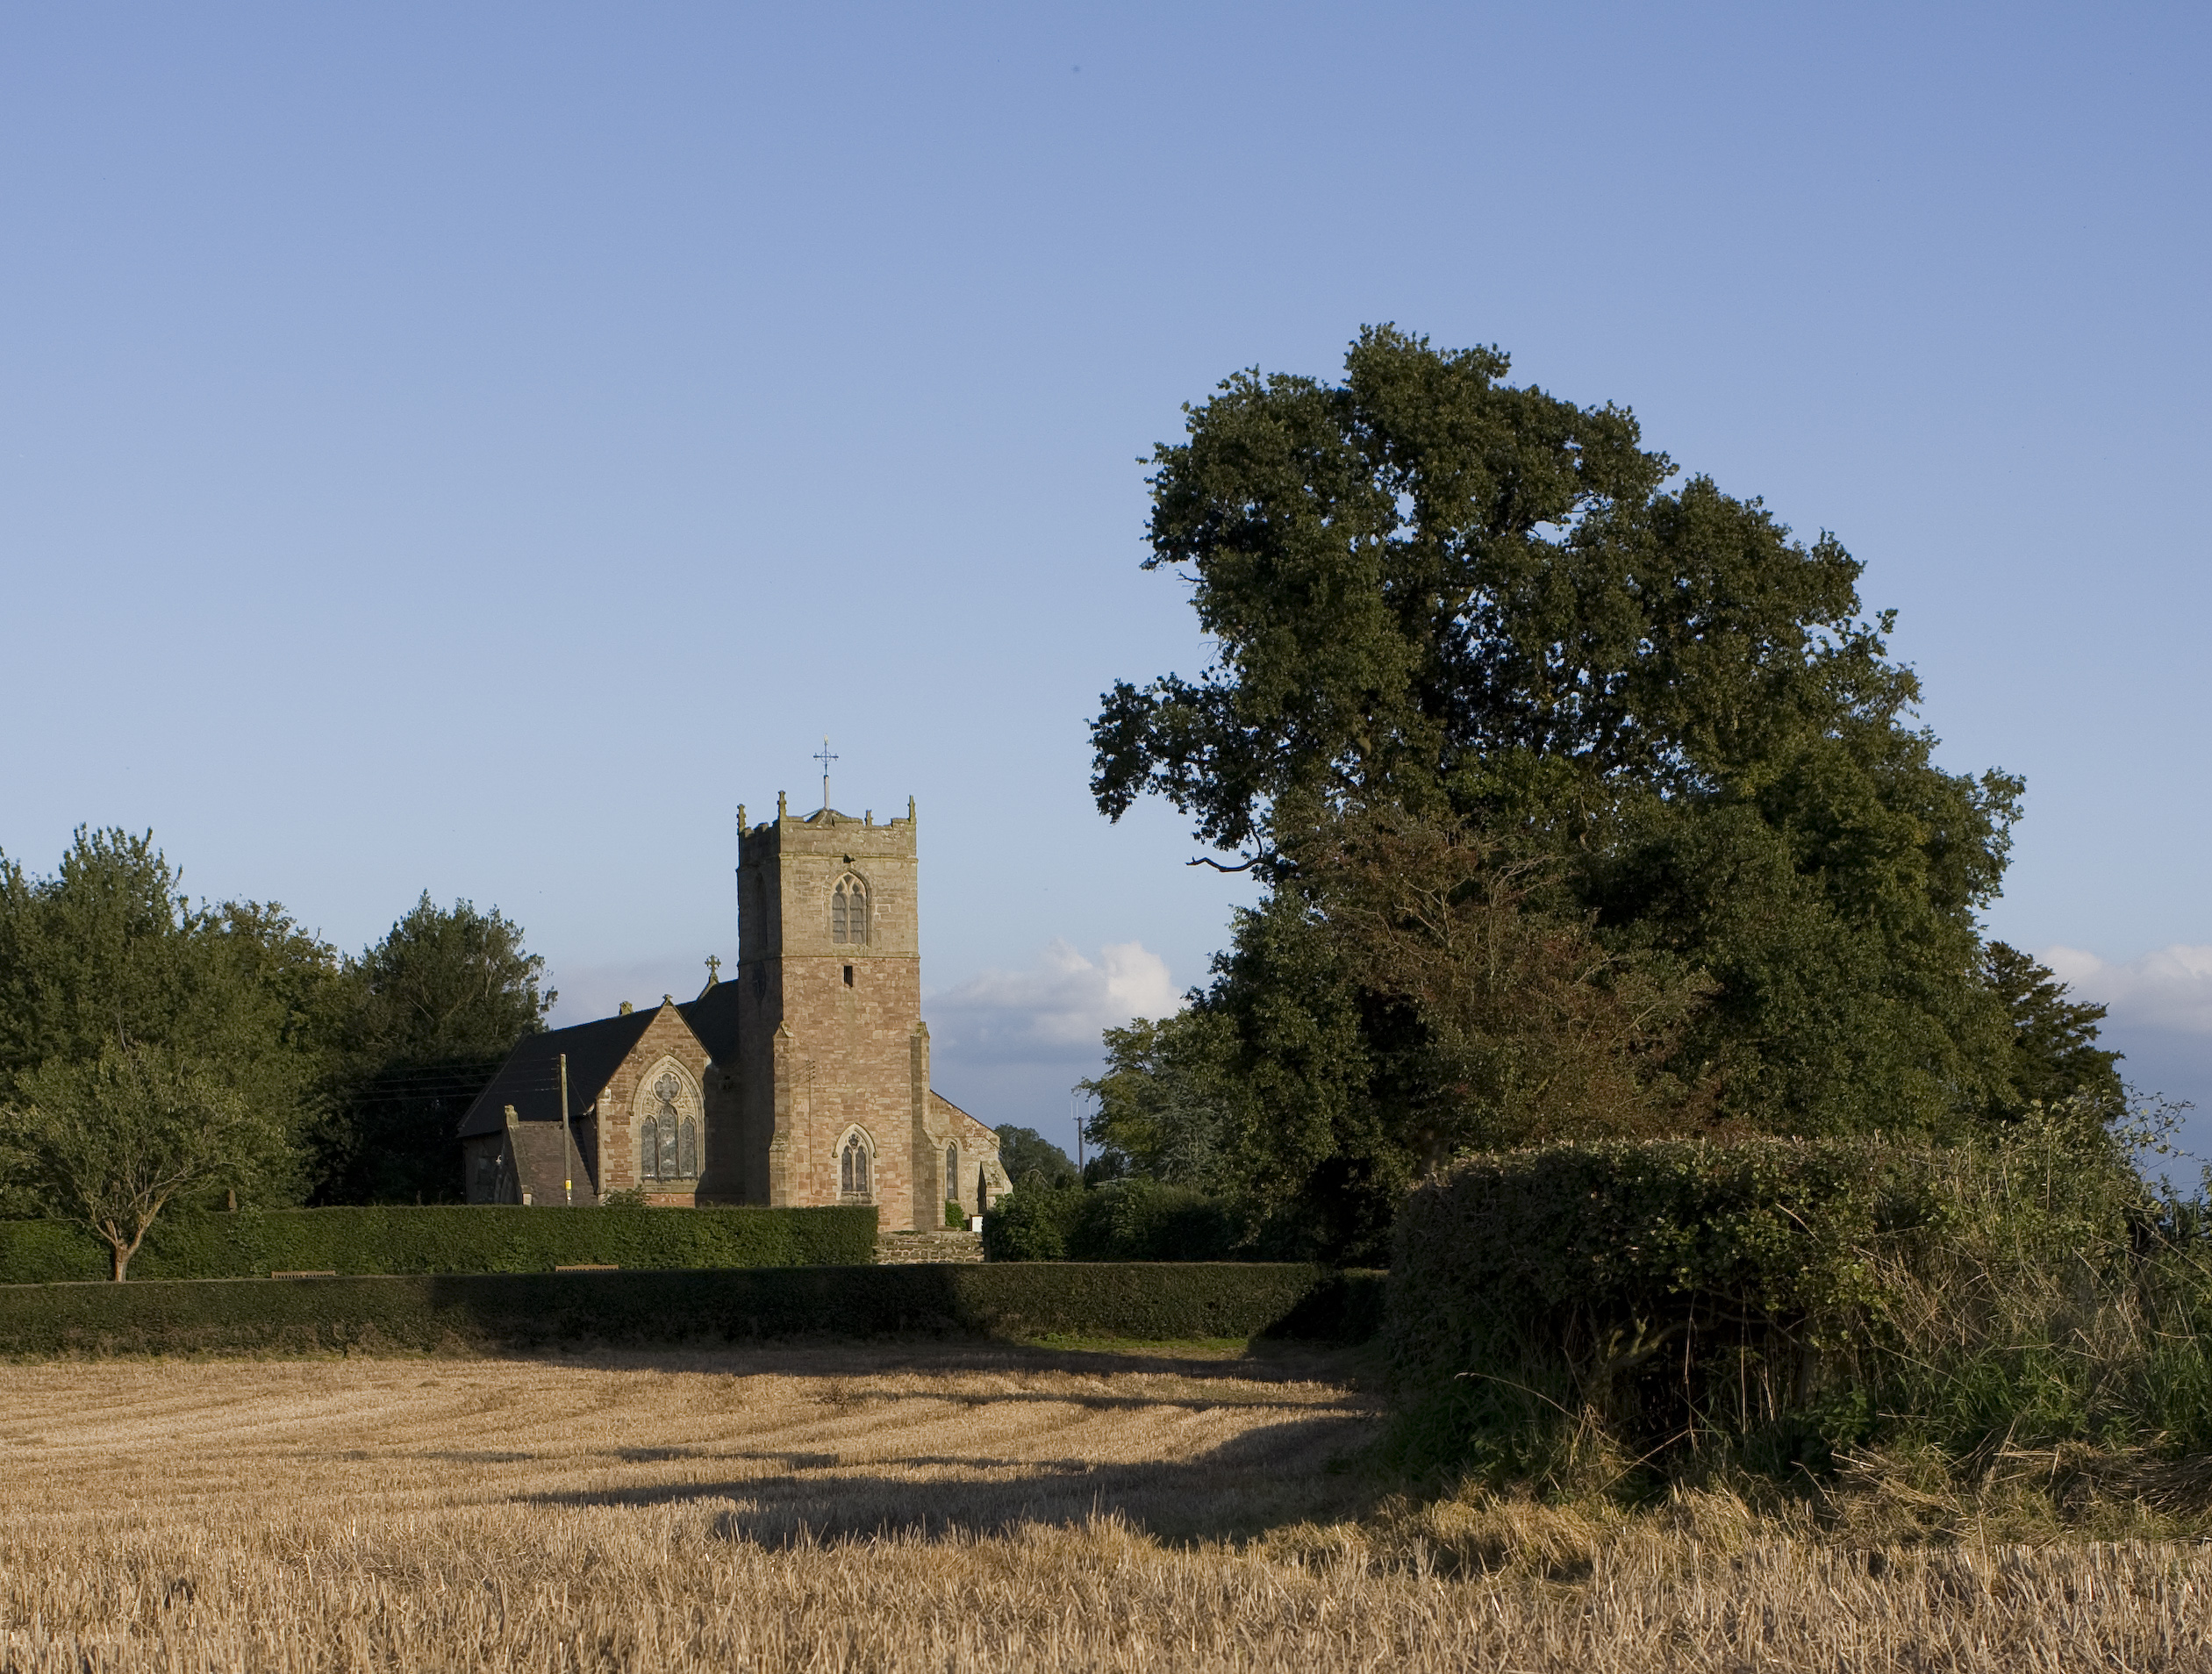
x,y
2171,989
1055,1007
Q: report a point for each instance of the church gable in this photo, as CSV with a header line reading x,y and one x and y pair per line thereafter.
x,y
974,1177
649,1116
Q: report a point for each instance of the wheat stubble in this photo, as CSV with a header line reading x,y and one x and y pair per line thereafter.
x,y
850,1508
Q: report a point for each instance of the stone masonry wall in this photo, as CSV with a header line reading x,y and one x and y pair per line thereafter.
x,y
616,1116
839,1025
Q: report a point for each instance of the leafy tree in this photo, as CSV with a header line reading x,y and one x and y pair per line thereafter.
x,y
1693,817
112,1142
1029,1158
1163,1102
109,955
1530,1025
427,1015
2055,1058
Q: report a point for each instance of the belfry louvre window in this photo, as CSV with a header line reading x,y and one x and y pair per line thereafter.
x,y
849,910
852,1171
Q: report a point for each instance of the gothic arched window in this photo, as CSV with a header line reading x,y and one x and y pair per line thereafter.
x,y
849,910
852,1169
668,1135
952,1170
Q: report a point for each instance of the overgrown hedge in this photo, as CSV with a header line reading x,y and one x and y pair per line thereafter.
x,y
1124,1220
445,1239
490,1312
1773,1300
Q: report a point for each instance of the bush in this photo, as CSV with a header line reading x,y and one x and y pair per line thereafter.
x,y
1122,1220
1031,1226
1772,1301
446,1239
955,1217
484,1312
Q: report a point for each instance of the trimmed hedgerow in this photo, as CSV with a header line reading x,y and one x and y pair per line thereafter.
x,y
477,1311
446,1239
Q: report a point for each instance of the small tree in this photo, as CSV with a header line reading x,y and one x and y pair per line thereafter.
x,y
111,1143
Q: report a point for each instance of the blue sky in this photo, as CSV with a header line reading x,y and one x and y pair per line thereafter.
x,y
473,447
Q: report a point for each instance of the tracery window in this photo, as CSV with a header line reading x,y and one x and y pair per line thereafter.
x,y
852,1169
849,910
669,1137
952,1170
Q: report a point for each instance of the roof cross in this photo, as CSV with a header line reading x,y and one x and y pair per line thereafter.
x,y
824,757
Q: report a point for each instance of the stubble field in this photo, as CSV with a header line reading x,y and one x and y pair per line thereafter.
x,y
924,1508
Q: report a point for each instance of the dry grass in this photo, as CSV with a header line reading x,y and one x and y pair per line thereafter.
x,y
850,1508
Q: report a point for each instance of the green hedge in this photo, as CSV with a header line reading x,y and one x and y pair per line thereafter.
x,y
1674,1302
1123,1221
445,1239
1631,1280
480,1312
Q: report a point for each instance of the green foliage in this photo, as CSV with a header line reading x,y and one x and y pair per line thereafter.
x,y
1120,1220
1028,1156
364,1065
454,1239
502,1312
109,953
2055,1059
956,1216
1031,1225
426,1016
1585,806
111,1142
1587,1307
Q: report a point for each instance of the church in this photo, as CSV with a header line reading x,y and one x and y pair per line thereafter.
x,y
802,1081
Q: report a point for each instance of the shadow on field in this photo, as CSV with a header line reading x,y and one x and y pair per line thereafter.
x,y
1271,1475
1260,1362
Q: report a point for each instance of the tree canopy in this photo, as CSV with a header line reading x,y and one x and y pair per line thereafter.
x,y
1029,1156
338,1079
1582,797
426,1016
109,955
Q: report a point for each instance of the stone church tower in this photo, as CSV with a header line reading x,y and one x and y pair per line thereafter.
x,y
833,1087
803,1083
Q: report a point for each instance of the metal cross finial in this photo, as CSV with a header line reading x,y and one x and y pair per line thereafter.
x,y
713,968
825,758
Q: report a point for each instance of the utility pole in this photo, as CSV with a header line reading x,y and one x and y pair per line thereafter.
x,y
568,1183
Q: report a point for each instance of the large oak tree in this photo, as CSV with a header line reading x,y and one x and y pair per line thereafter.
x,y
1457,619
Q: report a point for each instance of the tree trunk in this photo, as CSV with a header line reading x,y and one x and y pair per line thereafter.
x,y
122,1258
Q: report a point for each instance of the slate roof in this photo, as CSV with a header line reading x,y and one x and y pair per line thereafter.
x,y
537,1164
713,1018
530,1079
